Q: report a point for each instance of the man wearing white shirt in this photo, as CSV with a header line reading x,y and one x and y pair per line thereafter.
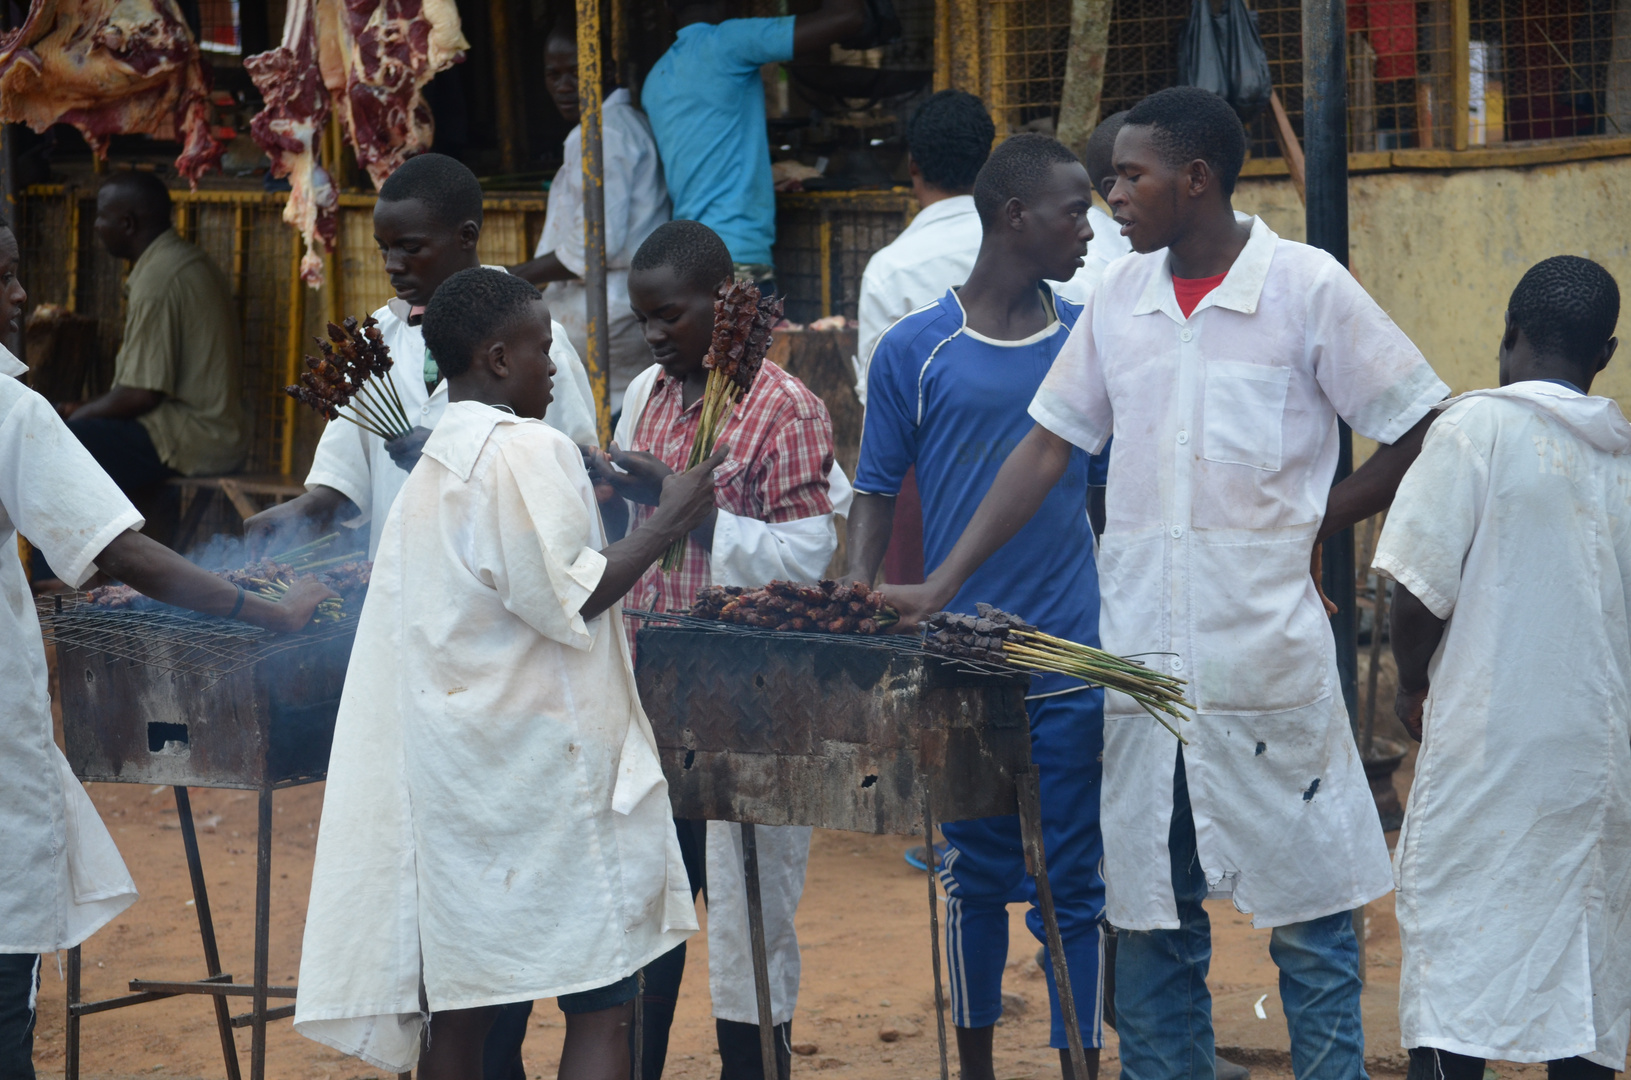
x,y
1220,358
947,140
1107,244
427,222
636,203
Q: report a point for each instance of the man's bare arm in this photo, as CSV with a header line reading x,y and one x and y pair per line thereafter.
x,y
1416,632
543,270
866,539
1370,488
156,571
829,24
1023,482
119,403
293,523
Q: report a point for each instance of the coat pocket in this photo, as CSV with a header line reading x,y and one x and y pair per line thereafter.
x,y
1245,408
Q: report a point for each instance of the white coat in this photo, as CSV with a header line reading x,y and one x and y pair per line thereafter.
x,y
355,462
1226,442
1514,865
496,822
61,877
751,553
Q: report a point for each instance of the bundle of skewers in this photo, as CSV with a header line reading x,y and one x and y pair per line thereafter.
x,y
996,636
272,578
742,322
351,380
828,608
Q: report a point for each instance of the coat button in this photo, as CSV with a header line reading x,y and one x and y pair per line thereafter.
x,y
1183,437
1177,531
1177,663
1187,334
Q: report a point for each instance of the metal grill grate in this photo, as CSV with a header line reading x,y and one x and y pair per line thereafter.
x,y
171,639
1548,69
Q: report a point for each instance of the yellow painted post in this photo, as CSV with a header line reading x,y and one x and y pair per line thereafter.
x,y
509,149
291,358
590,86
942,45
965,45
71,302
1461,68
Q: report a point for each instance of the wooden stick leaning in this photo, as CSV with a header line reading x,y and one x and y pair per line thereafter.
x,y
741,338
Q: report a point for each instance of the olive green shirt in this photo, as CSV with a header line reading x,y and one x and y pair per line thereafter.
x,y
181,340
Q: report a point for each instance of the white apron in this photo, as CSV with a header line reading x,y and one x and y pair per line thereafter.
x,y
496,821
1514,865
61,878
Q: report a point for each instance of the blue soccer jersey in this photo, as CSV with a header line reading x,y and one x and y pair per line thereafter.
x,y
954,404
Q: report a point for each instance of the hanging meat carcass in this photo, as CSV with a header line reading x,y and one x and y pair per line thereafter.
x,y
367,61
110,67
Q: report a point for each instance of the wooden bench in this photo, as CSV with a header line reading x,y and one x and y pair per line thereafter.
x,y
248,493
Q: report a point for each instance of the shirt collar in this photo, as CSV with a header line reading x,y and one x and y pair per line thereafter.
x,y
1240,291
403,310
10,365
1563,382
954,304
158,243
461,435
954,206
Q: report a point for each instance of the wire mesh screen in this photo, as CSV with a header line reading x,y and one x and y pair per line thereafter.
x,y
822,248
1548,69
1025,45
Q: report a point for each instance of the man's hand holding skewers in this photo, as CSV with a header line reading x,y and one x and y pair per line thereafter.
x,y
406,449
633,474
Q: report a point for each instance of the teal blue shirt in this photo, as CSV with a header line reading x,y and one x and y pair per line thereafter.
x,y
706,104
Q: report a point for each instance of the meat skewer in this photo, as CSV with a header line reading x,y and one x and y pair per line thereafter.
x,y
354,372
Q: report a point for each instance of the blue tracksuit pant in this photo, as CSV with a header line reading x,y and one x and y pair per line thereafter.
x,y
984,871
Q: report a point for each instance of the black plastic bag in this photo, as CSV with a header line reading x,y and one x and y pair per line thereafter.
x,y
1223,52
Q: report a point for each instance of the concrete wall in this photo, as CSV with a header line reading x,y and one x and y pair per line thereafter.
x,y
1441,252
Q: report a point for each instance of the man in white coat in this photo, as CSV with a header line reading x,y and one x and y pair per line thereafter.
x,y
61,877
1510,543
636,202
427,222
496,827
1220,357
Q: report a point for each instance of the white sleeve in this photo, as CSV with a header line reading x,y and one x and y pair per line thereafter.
x,y
1073,401
55,493
876,316
342,463
751,553
572,412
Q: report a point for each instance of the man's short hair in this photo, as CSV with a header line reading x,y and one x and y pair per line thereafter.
x,y
950,136
1101,147
1567,307
471,307
1190,123
693,251
442,183
1017,169
148,196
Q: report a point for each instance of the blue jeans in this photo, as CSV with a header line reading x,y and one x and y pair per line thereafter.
x,y
1164,1011
984,871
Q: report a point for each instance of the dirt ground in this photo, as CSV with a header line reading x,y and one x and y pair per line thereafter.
x,y
862,925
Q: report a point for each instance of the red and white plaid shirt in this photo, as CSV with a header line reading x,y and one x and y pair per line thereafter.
x,y
781,451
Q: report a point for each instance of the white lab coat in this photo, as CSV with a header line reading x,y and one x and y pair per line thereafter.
x,y
751,553
1106,247
1226,442
496,821
932,254
61,877
355,463
636,203
1514,865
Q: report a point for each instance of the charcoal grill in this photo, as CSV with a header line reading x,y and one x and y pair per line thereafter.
x,y
165,697
865,734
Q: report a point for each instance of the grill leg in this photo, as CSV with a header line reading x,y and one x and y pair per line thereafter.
x,y
263,925
1030,826
638,1064
934,933
70,1068
761,960
206,928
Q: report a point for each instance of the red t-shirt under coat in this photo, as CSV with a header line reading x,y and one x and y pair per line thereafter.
x,y
1191,291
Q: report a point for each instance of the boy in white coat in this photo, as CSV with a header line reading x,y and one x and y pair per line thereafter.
x,y
491,666
1510,543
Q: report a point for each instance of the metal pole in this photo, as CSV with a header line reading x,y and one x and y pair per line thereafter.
x,y
1028,783
934,931
590,85
70,1068
206,927
761,958
263,924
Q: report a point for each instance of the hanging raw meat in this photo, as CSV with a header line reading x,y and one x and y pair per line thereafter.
x,y
367,61
110,67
